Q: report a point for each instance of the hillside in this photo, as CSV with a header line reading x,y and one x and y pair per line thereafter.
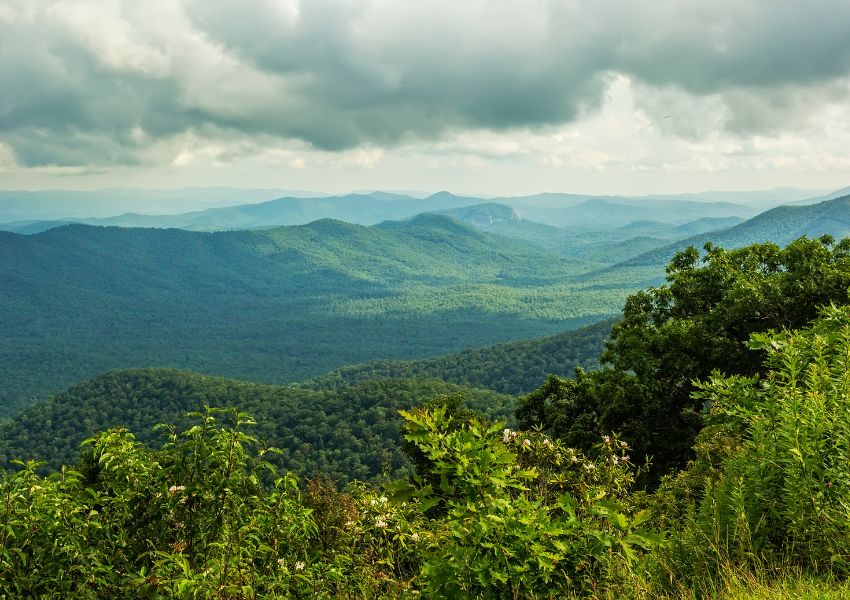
x,y
779,225
605,213
510,368
348,433
278,305
199,502
598,247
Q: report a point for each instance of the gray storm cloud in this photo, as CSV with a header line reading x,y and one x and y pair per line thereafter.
x,y
99,82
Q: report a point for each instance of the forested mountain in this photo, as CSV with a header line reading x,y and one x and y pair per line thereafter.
x,y
603,213
820,198
612,246
276,305
510,368
504,220
598,247
571,212
352,432
659,229
779,225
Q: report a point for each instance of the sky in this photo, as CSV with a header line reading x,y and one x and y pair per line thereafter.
x,y
489,97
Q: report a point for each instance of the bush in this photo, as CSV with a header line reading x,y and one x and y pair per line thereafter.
x,y
204,517
521,516
782,495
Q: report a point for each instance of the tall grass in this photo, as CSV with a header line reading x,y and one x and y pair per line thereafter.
x,y
780,502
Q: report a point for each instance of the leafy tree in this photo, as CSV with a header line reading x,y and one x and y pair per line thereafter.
x,y
670,336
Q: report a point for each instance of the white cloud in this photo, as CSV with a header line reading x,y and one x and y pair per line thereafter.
x,y
104,28
519,88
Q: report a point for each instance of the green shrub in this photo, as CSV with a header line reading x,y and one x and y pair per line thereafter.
x,y
782,495
521,516
204,517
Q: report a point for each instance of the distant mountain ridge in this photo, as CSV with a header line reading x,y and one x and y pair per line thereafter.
x,y
62,205
779,225
571,211
598,247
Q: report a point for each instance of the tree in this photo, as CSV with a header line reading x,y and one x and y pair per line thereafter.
x,y
680,332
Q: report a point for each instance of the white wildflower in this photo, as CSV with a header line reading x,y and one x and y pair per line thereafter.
x,y
176,488
299,566
380,523
506,436
526,442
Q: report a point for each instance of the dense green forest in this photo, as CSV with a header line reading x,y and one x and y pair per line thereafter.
x,y
343,424
348,433
510,368
279,305
733,376
283,305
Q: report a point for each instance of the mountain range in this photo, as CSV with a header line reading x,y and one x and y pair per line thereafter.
x,y
31,212
778,225
276,305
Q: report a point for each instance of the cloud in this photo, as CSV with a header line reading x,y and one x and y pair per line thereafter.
x,y
102,82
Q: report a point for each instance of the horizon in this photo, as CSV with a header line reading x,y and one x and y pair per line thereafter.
x,y
422,192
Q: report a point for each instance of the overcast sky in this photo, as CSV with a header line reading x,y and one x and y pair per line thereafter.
x,y
474,96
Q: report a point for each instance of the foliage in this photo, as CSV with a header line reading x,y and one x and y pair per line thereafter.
x,y
346,433
784,494
182,522
680,332
510,368
206,516
520,516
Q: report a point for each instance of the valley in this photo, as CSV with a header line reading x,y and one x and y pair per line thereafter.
x,y
279,305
